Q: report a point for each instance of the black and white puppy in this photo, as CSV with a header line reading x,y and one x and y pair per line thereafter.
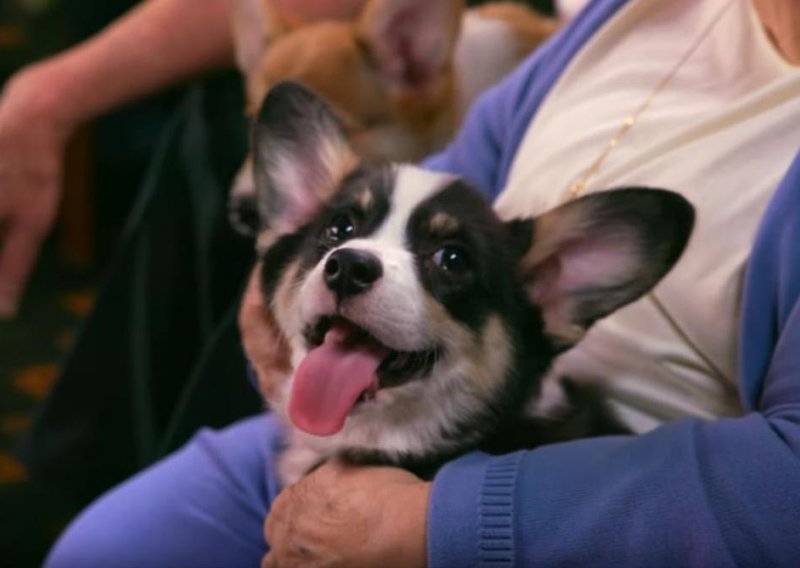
x,y
419,323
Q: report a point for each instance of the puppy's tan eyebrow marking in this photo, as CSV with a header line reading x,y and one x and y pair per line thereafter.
x,y
442,224
365,200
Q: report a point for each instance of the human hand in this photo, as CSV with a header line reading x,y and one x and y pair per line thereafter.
x,y
263,342
341,516
32,141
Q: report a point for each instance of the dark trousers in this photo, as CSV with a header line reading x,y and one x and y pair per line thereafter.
x,y
160,354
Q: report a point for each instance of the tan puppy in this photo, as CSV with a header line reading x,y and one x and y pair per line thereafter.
x,y
400,76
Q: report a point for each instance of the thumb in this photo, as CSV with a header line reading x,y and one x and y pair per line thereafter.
x,y
269,561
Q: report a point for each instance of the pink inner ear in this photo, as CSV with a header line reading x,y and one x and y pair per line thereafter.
x,y
595,262
582,264
417,53
544,289
301,212
304,181
410,39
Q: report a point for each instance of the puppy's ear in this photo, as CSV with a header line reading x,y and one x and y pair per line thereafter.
x,y
256,24
411,41
252,30
591,256
299,156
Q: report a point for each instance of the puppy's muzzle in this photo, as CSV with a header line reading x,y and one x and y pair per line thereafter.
x,y
350,271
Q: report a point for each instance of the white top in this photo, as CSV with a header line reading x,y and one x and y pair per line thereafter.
x,y
722,133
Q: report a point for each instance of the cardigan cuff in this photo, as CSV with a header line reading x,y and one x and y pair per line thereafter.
x,y
471,513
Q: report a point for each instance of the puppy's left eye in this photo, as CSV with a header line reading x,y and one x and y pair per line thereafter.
x,y
341,228
452,259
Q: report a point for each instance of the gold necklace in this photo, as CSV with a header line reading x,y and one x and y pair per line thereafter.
x,y
578,187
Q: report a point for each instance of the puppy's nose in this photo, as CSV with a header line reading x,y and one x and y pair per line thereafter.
x,y
351,271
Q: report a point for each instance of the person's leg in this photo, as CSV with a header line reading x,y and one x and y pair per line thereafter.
x,y
204,505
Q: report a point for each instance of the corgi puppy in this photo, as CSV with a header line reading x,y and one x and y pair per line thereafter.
x,y
400,75
418,323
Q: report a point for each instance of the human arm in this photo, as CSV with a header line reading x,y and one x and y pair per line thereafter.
x,y
691,493
156,44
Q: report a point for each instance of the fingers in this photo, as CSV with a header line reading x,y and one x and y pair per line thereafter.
x,y
19,249
292,532
31,147
335,518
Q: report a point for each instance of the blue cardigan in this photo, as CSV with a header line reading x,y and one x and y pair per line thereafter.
x,y
690,493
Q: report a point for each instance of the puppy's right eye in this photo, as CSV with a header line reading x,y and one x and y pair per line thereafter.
x,y
341,228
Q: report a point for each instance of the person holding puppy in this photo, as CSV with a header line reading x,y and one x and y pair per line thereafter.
x,y
610,100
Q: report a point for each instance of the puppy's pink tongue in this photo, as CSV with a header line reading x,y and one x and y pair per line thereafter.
x,y
330,380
